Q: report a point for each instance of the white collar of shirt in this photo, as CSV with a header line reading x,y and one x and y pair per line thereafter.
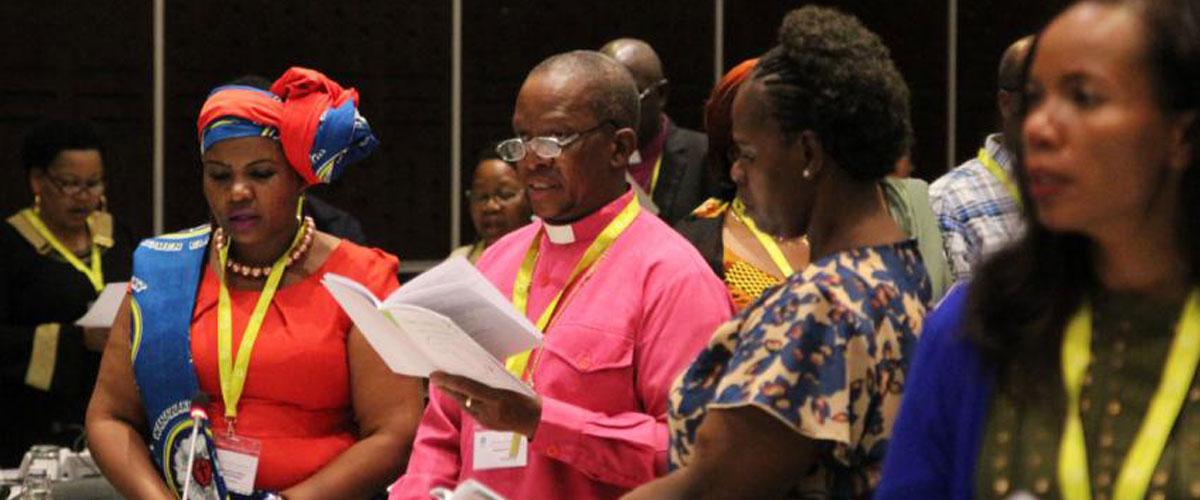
x,y
559,235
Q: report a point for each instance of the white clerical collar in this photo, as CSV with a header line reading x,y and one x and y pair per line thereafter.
x,y
559,235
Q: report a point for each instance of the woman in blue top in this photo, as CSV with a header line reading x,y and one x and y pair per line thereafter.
x,y
1067,369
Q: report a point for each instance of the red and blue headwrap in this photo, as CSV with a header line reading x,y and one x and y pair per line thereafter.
x,y
315,119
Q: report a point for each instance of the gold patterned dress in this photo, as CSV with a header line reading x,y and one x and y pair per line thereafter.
x,y
1130,340
826,353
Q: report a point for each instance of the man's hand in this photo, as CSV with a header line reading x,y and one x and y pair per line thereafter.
x,y
495,409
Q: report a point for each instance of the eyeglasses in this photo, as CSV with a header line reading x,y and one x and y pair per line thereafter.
x,y
653,86
501,197
547,147
74,187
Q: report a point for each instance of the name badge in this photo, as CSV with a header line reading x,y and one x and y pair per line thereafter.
x,y
237,458
499,450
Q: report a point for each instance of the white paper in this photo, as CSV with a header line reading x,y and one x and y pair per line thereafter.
x,y
451,350
457,290
104,310
385,337
415,340
467,490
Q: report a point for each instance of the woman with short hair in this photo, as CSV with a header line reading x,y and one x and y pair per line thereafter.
x,y
795,396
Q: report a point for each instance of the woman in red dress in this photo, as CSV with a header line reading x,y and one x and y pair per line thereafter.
x,y
299,404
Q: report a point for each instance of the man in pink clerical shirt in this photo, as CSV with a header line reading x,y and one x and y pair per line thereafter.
x,y
624,301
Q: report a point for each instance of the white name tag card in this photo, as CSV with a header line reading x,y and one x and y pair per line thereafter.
x,y
499,450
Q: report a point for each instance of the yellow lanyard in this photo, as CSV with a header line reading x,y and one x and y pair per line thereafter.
x,y
998,172
654,176
776,253
94,275
520,296
1147,447
233,374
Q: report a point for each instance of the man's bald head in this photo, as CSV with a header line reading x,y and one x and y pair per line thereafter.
x,y
1008,97
638,57
642,62
606,88
1008,76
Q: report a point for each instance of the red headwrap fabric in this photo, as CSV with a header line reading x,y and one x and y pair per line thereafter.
x,y
317,121
306,95
718,113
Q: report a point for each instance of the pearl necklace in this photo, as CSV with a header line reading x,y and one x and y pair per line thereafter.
x,y
308,228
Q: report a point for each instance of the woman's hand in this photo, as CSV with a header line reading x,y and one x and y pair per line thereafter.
x,y
94,339
496,409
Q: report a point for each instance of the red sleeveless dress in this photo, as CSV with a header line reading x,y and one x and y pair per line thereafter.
x,y
297,398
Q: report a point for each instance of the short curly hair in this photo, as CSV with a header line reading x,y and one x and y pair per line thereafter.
x,y
50,137
831,75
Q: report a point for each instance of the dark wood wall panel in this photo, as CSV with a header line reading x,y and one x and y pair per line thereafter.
x,y
986,28
397,54
915,31
93,59
87,60
504,39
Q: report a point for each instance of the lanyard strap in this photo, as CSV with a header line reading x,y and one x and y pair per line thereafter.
x,y
95,274
998,172
1146,450
518,364
776,253
654,175
233,373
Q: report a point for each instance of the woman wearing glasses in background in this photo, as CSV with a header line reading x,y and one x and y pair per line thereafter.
x,y
57,255
497,203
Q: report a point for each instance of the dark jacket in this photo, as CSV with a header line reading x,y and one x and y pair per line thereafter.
x,y
683,183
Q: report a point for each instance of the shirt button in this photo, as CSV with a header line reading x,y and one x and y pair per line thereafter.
x,y
552,450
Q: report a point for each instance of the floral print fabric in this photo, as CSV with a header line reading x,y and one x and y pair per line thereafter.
x,y
826,353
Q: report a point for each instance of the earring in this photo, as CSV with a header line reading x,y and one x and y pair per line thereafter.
x,y
103,204
807,174
37,203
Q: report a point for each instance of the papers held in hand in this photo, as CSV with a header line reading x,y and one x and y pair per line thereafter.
x,y
450,319
103,311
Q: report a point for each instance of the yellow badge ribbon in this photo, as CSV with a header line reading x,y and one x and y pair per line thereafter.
x,y
95,274
654,175
233,374
998,172
773,249
518,364
1146,450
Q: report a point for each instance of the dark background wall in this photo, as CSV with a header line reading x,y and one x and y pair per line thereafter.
x,y
986,28
84,58
93,59
395,53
